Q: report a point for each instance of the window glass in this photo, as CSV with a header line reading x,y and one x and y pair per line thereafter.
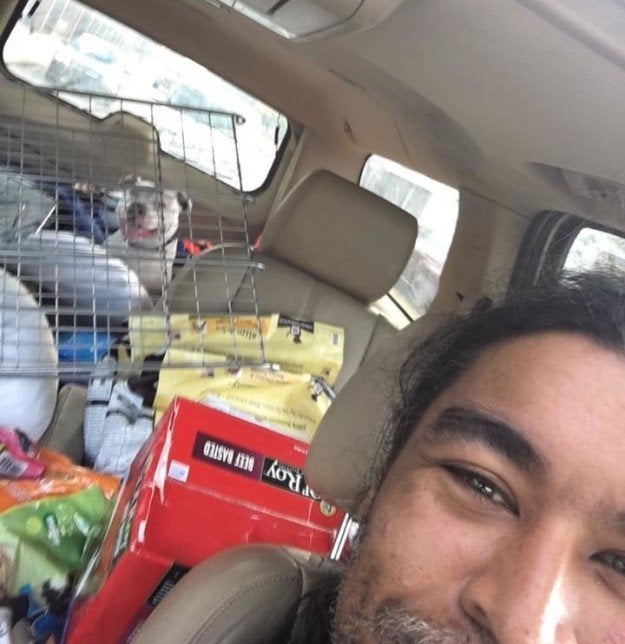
x,y
435,206
61,43
595,250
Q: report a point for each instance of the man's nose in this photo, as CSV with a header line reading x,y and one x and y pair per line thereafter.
x,y
521,589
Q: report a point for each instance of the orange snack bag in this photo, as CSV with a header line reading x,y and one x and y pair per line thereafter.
x,y
61,476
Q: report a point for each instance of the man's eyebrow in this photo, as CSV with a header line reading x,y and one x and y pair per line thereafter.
x,y
471,424
617,521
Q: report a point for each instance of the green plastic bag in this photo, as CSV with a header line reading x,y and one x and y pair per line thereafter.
x,y
49,539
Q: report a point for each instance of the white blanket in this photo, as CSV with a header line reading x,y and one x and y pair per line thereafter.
x,y
26,342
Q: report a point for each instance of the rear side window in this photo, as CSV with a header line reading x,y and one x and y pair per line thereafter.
x,y
595,249
435,206
64,44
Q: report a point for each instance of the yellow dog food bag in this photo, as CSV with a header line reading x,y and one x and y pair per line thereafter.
x,y
297,346
290,403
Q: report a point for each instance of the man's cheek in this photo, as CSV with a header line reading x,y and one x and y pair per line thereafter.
x,y
402,545
418,543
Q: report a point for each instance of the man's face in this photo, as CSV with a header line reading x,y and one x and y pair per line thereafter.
x,y
504,515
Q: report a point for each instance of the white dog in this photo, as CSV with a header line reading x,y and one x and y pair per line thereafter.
x,y
148,226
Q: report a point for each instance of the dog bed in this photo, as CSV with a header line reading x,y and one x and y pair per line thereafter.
x,y
82,278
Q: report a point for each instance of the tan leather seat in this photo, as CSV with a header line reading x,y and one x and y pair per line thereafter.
x,y
352,436
230,597
65,432
328,251
218,601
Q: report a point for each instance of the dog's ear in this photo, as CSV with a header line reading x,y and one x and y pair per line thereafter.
x,y
185,203
129,180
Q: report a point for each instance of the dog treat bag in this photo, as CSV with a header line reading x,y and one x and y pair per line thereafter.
x,y
43,545
295,345
61,477
18,456
287,402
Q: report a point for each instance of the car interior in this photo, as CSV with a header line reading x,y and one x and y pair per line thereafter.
x,y
371,165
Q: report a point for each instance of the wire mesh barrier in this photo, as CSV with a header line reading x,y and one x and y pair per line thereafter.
x,y
118,233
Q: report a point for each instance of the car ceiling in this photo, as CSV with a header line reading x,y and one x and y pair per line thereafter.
x,y
519,101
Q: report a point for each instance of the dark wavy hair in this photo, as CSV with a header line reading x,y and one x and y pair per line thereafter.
x,y
592,304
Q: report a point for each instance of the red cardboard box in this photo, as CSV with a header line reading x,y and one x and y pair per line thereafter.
x,y
204,482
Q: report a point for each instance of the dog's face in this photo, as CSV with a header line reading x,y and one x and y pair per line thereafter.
x,y
148,217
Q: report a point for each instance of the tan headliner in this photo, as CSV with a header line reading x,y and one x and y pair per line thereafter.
x,y
481,94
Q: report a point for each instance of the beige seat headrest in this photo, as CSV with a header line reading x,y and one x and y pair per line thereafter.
x,y
352,437
248,594
341,234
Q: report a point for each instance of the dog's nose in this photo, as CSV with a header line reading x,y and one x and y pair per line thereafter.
x,y
135,211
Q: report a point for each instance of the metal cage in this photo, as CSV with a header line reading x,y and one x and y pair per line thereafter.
x,y
106,204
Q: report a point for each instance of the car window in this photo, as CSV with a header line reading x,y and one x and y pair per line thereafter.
x,y
435,206
595,249
62,43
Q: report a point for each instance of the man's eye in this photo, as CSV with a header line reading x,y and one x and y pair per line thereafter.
x,y
482,486
613,560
